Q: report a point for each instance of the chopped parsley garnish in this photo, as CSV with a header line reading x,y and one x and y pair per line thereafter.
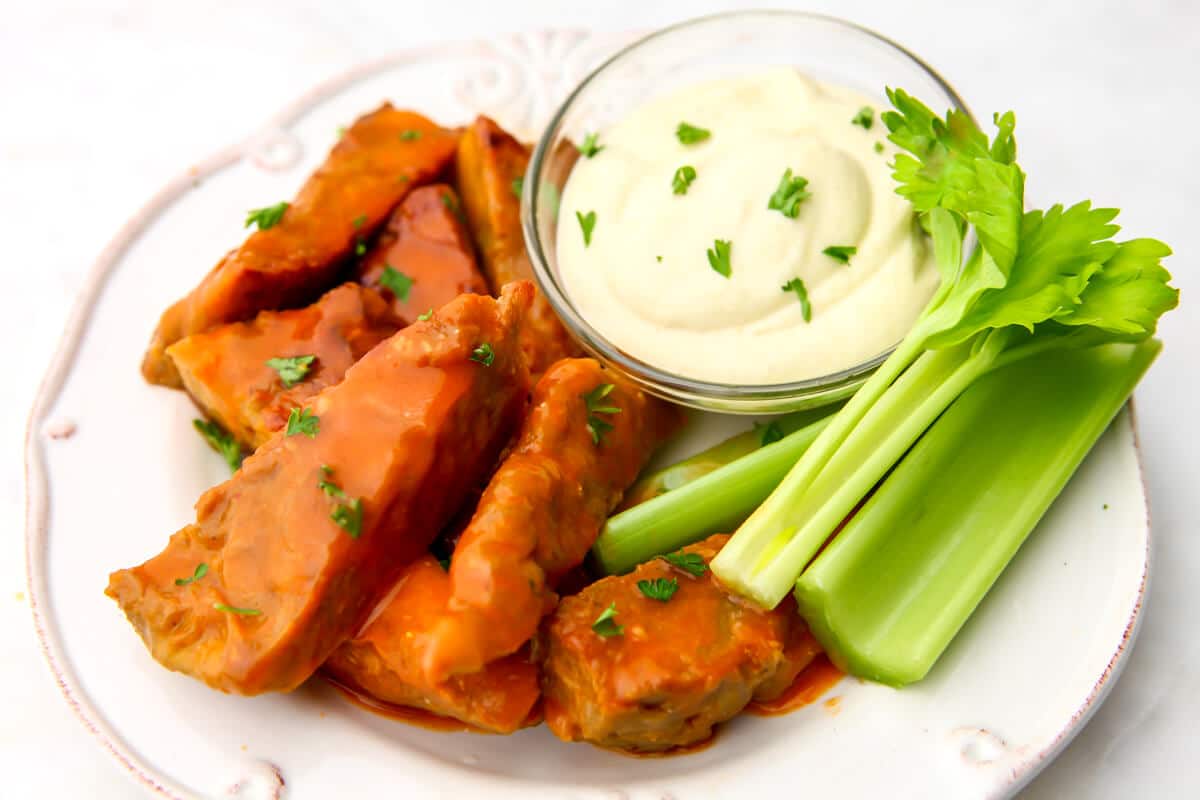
x,y
792,191
690,563
606,624
588,223
410,135
658,259
348,517
839,252
589,147
879,147
291,369
452,206
301,420
445,564
718,257
220,441
768,433
267,217
245,612
396,282
360,247
797,285
483,354
660,589
331,489
593,400
201,571
683,179
687,133
360,220
428,315
518,185
865,117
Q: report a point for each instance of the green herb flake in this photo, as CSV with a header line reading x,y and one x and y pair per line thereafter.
x,y
589,147
768,433
658,259
428,315
483,354
840,252
791,192
660,589
348,517
444,563
691,563
518,186
410,135
244,612
687,133
606,624
879,147
797,285
593,402
360,247
683,179
291,369
864,118
267,217
301,420
396,282
587,222
719,255
360,220
220,441
201,571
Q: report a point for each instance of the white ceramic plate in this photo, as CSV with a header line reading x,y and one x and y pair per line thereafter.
x,y
114,467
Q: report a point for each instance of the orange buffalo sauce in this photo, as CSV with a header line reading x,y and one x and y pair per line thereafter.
x,y
406,714
813,681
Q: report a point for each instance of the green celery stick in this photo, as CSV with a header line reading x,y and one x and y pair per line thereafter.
x,y
714,503
669,478
888,595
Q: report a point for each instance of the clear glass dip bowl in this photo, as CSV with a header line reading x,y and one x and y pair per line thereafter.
x,y
824,48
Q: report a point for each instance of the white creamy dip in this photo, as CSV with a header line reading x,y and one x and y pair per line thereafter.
x,y
645,282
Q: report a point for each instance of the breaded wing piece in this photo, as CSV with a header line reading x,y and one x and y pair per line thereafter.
x,y
661,674
286,560
583,443
488,164
384,661
225,369
289,264
428,249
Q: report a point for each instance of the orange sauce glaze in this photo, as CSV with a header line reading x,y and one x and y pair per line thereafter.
x,y
412,716
813,681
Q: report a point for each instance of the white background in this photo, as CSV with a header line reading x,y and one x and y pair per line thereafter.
x,y
101,103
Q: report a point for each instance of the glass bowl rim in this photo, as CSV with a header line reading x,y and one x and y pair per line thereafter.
x,y
678,387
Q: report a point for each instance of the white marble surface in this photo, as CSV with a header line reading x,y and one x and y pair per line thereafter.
x,y
102,102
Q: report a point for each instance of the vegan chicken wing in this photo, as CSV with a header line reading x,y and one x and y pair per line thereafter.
x,y
228,370
423,256
627,670
489,167
384,661
291,259
586,437
316,527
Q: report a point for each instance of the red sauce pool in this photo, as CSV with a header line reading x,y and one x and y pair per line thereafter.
x,y
813,681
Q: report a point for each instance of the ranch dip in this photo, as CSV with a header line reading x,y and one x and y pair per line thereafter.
x,y
679,231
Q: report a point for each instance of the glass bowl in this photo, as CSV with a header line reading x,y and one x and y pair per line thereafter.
x,y
721,45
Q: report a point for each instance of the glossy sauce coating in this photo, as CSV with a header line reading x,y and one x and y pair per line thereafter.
x,y
384,661
225,369
489,160
366,174
541,512
410,426
677,669
427,241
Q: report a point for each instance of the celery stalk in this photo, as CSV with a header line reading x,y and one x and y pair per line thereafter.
x,y
891,591
714,503
676,475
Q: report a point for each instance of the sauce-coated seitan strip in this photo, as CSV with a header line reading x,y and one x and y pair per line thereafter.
x,y
543,509
489,165
289,264
310,534
225,368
